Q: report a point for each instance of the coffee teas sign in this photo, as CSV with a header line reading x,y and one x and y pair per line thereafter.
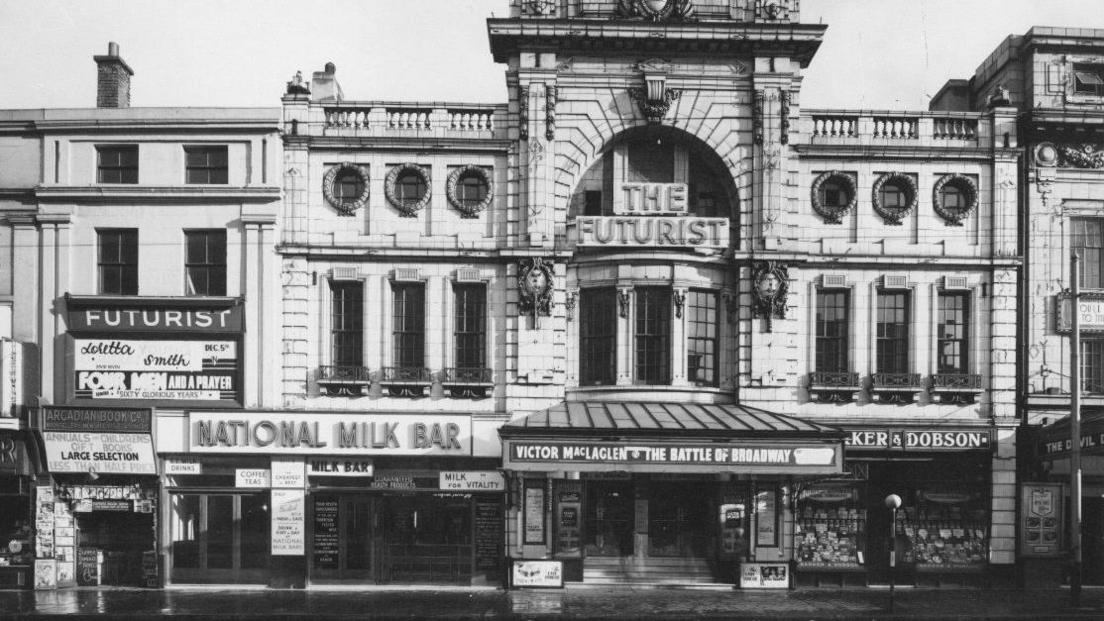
x,y
329,434
162,370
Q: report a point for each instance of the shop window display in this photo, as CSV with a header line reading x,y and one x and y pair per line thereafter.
x,y
830,528
945,530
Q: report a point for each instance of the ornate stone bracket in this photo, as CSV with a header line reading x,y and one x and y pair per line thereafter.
x,y
656,10
654,106
535,284
678,296
550,112
771,289
624,296
345,206
523,112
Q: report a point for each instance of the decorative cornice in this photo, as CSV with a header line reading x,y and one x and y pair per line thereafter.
x,y
407,208
469,211
156,193
833,214
345,206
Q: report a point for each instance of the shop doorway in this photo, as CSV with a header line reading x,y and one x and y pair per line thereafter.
x,y
609,518
219,538
680,519
344,532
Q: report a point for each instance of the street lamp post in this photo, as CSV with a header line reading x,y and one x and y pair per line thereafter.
x,y
1075,429
893,502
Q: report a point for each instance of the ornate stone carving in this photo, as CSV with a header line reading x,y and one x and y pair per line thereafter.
x,y
771,289
894,216
773,9
833,214
624,296
535,283
784,112
570,300
296,86
678,296
1046,154
1081,156
523,112
540,7
654,109
757,116
345,206
468,210
966,186
550,113
656,10
408,208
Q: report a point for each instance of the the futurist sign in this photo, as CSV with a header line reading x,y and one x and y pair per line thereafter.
x,y
652,214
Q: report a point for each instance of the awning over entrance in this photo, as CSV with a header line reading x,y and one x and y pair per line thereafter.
x,y
669,437
1055,441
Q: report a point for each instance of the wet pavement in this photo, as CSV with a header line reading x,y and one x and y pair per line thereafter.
x,y
614,602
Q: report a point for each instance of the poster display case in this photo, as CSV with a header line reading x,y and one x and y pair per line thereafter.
x,y
830,527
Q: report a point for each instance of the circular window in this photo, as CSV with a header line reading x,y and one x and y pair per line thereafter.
x,y
407,188
954,198
346,187
470,190
833,195
894,197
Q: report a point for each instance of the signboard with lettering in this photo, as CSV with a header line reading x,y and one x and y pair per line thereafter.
x,y
1055,441
178,465
489,524
764,576
546,574
920,439
329,434
652,214
288,522
742,456
11,378
340,467
103,440
289,473
474,481
326,541
1041,527
115,420
252,477
203,371
146,319
1091,309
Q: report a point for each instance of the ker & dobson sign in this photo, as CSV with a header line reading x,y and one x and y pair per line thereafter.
x,y
919,439
651,214
329,434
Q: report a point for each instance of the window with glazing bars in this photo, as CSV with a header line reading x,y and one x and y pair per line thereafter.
x,y
953,333
1087,237
408,325
702,320
117,163
118,261
652,335
471,320
597,337
205,262
1092,365
893,332
347,323
206,164
832,317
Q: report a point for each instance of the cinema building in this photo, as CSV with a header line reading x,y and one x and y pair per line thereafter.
x,y
132,232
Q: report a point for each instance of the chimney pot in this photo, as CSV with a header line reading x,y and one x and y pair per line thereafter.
x,y
112,48
331,68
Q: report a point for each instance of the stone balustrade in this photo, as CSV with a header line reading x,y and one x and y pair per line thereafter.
x,y
463,120
917,129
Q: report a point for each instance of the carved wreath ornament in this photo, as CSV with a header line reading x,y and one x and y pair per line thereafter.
x,y
467,209
966,186
833,214
896,214
345,205
407,207
656,10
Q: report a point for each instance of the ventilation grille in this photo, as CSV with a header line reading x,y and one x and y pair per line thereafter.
x,y
467,275
954,282
833,280
344,273
895,281
406,274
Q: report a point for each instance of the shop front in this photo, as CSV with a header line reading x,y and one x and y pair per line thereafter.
x,y
290,498
16,525
95,513
658,493
842,526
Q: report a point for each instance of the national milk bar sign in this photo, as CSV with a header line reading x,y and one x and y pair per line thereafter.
x,y
646,456
329,433
919,439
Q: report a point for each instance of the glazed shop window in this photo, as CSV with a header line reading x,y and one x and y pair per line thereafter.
x,y
945,527
117,164
347,323
830,526
953,333
408,327
1088,79
893,332
832,308
701,337
652,336
1092,365
597,337
205,262
1087,238
206,164
118,261
470,327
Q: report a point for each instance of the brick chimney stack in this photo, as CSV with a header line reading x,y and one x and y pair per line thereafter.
x,y
112,79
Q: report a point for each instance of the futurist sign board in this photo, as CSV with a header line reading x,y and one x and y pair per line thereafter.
x,y
161,320
733,455
919,439
329,434
652,214
156,370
